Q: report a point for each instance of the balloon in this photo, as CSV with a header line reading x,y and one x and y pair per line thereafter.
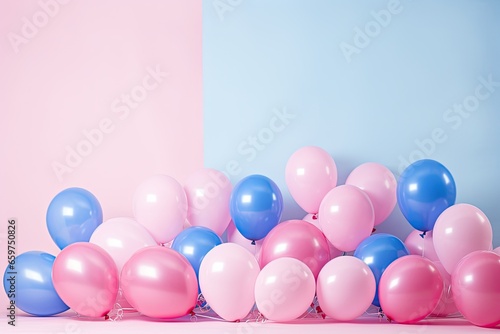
x,y
446,305
313,219
378,251
72,216
208,192
423,245
255,205
29,283
160,283
497,250
284,289
227,278
410,289
345,288
476,288
460,230
297,239
425,189
194,243
310,174
346,217
234,236
160,205
86,279
378,182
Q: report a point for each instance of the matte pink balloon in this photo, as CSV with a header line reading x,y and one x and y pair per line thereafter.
x,y
476,288
410,289
423,246
310,173
160,205
379,183
446,305
284,289
227,278
160,283
345,288
234,236
297,239
346,217
461,229
313,219
86,279
208,192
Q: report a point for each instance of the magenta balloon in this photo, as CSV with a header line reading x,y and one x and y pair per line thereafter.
x,y
346,217
86,279
345,288
297,239
160,283
446,305
313,219
379,183
284,289
160,205
310,173
476,288
423,246
227,279
461,229
410,289
208,192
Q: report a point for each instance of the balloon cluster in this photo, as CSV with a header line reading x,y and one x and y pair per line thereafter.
x,y
170,260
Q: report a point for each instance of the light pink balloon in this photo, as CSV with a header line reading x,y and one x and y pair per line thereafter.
x,y
476,288
284,289
297,239
86,279
446,305
313,219
423,246
379,183
460,230
234,236
497,250
160,283
310,173
160,205
345,288
227,278
410,289
346,217
208,192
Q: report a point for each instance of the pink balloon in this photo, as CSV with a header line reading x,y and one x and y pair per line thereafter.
x,y
346,288
160,283
297,239
310,173
284,289
423,246
160,205
379,183
410,289
497,250
476,288
313,219
234,236
208,192
446,305
86,279
460,230
227,278
346,217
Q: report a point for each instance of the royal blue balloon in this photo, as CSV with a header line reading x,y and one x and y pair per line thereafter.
x,y
256,204
425,189
29,284
72,216
378,251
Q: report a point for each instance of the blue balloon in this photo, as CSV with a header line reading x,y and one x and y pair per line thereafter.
x,y
72,216
425,189
378,251
255,205
29,283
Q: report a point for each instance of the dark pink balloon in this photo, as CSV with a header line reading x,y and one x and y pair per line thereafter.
x,y
86,279
476,288
296,239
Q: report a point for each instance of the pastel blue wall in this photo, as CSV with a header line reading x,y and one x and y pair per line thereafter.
x,y
383,81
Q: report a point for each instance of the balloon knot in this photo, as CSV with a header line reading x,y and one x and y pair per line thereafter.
x,y
374,229
253,242
315,216
344,253
106,317
423,234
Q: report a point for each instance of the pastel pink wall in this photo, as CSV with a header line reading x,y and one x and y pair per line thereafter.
x,y
66,68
